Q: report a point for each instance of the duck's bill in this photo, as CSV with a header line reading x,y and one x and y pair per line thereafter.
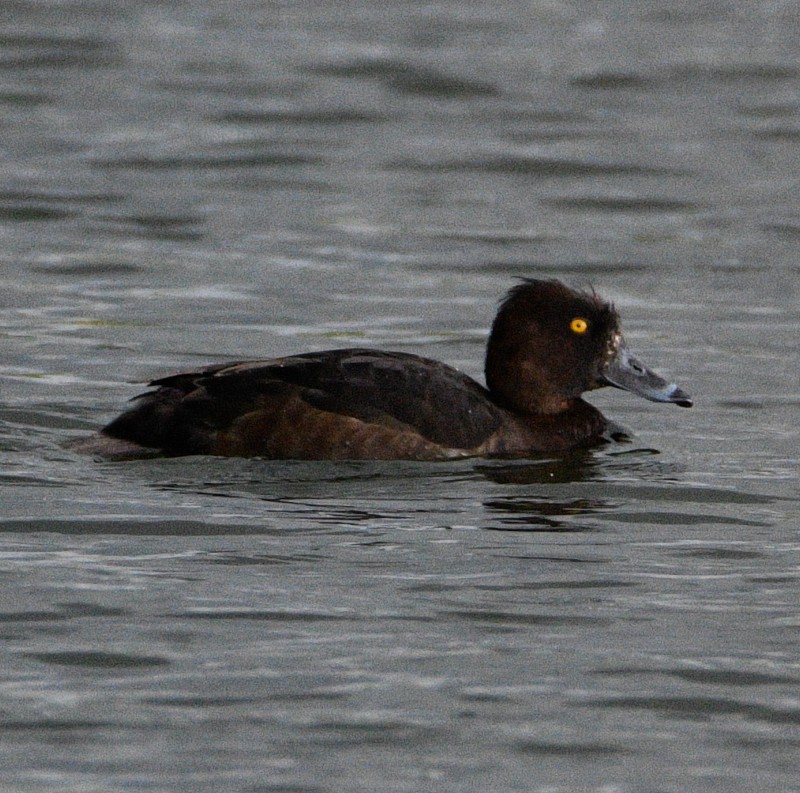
x,y
626,371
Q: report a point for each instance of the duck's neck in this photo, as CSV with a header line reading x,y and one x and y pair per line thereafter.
x,y
514,381
581,425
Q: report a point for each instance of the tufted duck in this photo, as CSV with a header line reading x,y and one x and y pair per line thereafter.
x,y
548,345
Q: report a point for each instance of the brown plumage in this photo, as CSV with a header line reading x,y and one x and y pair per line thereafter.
x,y
547,346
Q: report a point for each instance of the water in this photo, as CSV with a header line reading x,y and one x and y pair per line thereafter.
x,y
188,183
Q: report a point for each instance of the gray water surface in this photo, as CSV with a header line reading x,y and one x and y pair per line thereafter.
x,y
184,183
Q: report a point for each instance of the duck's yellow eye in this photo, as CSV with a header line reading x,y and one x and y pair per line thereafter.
x,y
579,325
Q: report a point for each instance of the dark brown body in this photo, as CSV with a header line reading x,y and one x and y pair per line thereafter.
x,y
548,345
339,404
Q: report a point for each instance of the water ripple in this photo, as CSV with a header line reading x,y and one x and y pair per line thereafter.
x,y
408,78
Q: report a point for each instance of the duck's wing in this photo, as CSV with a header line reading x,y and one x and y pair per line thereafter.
x,y
266,407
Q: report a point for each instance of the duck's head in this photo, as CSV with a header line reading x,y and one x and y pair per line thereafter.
x,y
549,344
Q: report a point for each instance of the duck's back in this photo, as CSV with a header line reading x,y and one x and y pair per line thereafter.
x,y
338,404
